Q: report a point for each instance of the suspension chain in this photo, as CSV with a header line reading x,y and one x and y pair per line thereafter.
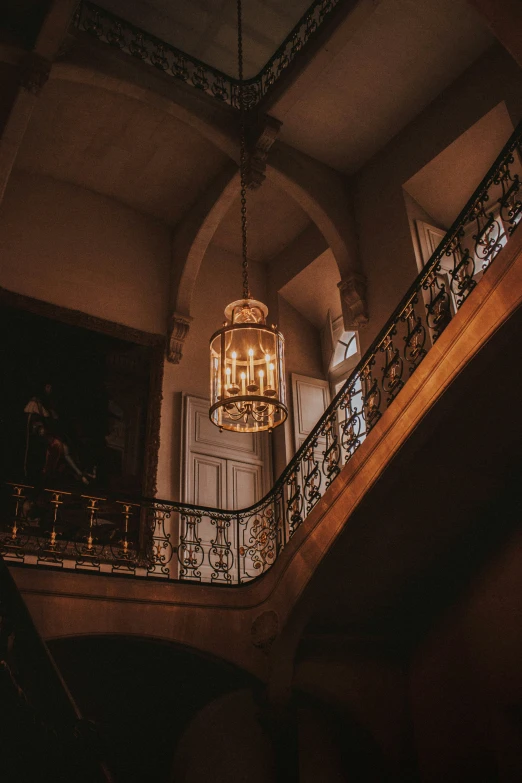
x,y
242,152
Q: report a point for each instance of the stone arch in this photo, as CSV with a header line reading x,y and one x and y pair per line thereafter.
x,y
323,194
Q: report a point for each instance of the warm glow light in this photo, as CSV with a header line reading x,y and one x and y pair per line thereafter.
x,y
247,389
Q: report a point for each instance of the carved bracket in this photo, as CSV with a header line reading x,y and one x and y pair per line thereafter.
x,y
34,73
259,147
353,301
179,326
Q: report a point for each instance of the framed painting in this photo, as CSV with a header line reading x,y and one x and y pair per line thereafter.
x,y
79,400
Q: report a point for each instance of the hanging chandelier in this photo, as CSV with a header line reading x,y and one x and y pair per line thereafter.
x,y
247,374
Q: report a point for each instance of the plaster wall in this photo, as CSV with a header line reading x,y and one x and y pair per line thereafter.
x,y
466,681
303,356
386,248
74,248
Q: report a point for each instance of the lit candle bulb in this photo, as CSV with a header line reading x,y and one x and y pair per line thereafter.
x,y
234,357
251,365
261,380
271,375
243,383
227,382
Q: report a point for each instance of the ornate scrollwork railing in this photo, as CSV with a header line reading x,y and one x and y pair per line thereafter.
x,y
156,538
120,34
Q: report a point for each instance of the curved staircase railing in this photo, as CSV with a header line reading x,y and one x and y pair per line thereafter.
x,y
149,537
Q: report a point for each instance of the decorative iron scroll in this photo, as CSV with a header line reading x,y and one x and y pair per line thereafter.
x,y
173,541
118,33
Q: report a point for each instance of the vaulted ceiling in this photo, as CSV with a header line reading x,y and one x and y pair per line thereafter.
x,y
383,63
389,61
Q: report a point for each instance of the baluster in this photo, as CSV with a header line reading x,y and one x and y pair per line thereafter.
x,y
159,550
297,44
93,25
510,203
199,78
294,512
220,556
488,233
392,381
158,58
269,78
115,36
51,550
332,451
124,549
415,339
312,476
88,551
190,551
438,313
137,47
14,540
311,26
261,539
179,67
279,521
371,396
351,426
219,88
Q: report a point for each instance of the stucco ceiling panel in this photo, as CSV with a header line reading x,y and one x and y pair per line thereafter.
x,y
392,66
119,147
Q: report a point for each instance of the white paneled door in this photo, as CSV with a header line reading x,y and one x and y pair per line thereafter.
x,y
311,397
221,469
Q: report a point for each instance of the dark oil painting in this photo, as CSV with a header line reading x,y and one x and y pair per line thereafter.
x,y
73,406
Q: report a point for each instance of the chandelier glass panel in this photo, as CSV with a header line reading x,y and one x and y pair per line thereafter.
x,y
247,375
247,382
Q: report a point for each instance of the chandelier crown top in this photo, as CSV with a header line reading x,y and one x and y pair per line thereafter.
x,y
246,311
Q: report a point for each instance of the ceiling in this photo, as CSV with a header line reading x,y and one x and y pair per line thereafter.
x,y
207,29
388,68
311,300
119,147
435,187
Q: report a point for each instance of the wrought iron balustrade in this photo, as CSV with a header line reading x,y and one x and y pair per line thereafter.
x,y
144,46
175,541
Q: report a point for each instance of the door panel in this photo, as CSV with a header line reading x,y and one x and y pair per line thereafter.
x,y
208,481
244,484
311,397
226,470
